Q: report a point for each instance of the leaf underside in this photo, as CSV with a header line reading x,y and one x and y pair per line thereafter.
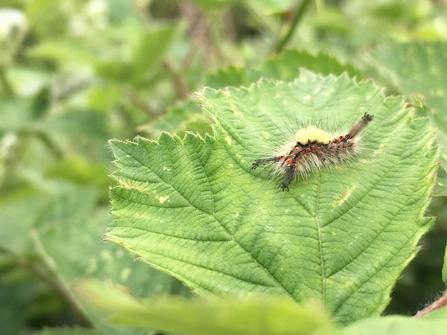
x,y
195,209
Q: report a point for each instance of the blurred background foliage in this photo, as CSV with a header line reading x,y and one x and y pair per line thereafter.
x,y
74,74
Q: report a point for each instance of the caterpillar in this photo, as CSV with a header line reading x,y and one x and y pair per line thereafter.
x,y
314,149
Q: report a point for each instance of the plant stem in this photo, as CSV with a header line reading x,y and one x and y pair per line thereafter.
x,y
141,13
49,275
137,101
215,35
258,13
299,12
179,82
4,81
441,302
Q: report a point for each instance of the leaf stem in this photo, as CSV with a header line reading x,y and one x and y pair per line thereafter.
x,y
4,81
215,34
258,13
441,302
179,82
137,101
48,274
299,12
142,14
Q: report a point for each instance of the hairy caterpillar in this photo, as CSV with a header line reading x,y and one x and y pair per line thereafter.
x,y
314,148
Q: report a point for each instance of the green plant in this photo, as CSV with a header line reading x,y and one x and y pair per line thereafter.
x,y
204,89
193,208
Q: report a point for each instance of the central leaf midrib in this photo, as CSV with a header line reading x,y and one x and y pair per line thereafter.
x,y
320,241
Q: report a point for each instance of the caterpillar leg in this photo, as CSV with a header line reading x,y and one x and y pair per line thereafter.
x,y
264,161
289,178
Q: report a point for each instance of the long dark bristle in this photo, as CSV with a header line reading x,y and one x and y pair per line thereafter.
x,y
357,128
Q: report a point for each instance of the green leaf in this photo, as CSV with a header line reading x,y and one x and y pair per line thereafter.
x,y
63,51
444,268
69,331
145,59
195,209
81,123
440,188
103,98
421,67
69,232
434,323
19,211
114,70
59,233
47,18
283,67
286,66
256,315
229,76
186,116
17,290
213,5
150,51
15,114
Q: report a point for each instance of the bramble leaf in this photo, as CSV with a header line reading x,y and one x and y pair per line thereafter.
x,y
420,67
400,325
254,315
193,207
